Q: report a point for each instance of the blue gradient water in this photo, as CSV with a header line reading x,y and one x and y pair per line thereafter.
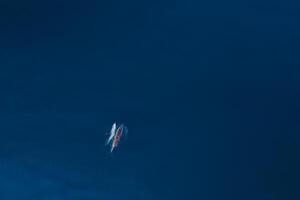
x,y
209,91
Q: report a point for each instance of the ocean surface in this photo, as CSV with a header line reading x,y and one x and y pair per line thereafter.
x,y
209,91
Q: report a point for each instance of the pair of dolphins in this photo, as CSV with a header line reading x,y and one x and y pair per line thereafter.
x,y
115,135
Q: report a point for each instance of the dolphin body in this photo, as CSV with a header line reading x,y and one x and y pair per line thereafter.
x,y
111,133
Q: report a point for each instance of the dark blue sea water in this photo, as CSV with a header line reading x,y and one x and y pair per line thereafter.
x,y
209,90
